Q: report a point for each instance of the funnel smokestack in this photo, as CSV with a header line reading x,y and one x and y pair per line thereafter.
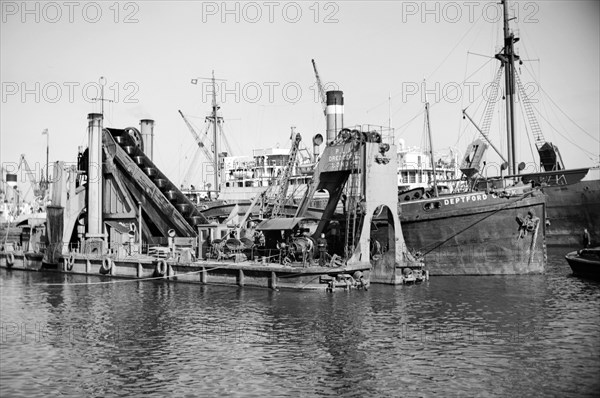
x,y
11,179
335,113
94,183
147,131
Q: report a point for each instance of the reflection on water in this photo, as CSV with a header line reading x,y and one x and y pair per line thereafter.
x,y
507,336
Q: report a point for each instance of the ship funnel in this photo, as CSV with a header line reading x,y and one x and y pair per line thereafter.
x,y
317,141
335,114
11,179
147,131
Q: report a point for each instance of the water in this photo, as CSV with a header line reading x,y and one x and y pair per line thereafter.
x,y
452,336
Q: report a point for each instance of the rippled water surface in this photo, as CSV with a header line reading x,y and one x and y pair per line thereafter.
x,y
451,336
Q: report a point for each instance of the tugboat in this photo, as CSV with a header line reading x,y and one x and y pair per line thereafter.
x,y
585,262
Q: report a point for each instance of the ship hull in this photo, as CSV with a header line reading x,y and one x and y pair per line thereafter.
x,y
476,234
571,208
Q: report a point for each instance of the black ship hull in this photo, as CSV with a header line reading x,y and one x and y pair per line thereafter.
x,y
477,234
571,208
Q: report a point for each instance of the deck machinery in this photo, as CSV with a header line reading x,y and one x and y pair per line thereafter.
x,y
358,170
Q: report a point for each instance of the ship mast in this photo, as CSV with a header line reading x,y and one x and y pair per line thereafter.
x,y
507,57
435,188
215,136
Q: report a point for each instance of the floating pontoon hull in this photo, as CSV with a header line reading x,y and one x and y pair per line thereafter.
x,y
273,276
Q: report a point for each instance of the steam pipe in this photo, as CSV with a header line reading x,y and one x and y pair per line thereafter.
x,y
147,131
94,183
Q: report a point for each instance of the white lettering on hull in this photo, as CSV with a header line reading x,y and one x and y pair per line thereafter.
x,y
465,199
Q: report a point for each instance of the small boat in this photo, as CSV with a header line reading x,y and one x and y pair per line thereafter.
x,y
585,262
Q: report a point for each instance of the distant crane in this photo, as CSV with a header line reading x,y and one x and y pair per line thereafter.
x,y
321,89
39,188
283,184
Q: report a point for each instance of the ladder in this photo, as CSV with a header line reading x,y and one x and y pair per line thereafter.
x,y
490,105
535,126
353,196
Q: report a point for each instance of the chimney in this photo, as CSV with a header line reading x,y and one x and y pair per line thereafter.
x,y
335,114
147,131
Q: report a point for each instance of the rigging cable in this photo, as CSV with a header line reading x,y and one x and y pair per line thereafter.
x,y
420,113
561,111
591,155
435,70
527,131
527,109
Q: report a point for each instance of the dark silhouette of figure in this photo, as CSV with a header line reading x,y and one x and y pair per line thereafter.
x,y
586,238
322,246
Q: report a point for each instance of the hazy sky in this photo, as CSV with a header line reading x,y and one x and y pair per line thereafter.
x,y
53,54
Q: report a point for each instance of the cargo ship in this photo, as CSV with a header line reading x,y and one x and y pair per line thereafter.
x,y
439,226
487,229
572,195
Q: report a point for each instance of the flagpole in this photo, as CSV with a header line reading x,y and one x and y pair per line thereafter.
x,y
47,134
47,154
